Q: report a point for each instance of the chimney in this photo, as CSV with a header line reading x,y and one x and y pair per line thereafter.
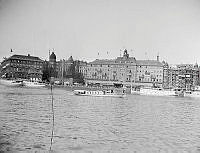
x,y
157,58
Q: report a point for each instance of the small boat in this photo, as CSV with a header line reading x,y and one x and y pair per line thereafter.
x,y
135,91
12,83
100,93
33,84
157,92
179,92
193,93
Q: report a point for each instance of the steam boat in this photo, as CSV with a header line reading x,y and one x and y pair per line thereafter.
x,y
33,84
100,93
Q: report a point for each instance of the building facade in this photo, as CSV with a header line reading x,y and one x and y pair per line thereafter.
x,y
64,70
185,76
21,66
126,70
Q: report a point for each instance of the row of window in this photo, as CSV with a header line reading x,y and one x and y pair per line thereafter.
x,y
117,66
25,65
26,62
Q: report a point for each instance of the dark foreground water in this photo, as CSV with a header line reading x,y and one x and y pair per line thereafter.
x,y
136,124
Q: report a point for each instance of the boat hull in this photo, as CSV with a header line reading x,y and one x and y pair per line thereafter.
x,y
193,94
97,94
11,83
156,92
33,84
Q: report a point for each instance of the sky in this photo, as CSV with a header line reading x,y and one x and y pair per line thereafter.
x,y
91,29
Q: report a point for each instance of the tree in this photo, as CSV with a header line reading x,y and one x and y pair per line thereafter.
x,y
78,77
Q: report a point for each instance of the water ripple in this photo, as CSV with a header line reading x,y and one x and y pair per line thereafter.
x,y
136,124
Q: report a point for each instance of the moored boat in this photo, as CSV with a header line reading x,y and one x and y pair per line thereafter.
x,y
193,93
33,84
157,92
135,91
12,83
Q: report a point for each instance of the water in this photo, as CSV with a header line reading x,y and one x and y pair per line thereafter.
x,y
136,124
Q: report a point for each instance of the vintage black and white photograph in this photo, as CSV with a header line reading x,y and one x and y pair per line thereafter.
x,y
100,76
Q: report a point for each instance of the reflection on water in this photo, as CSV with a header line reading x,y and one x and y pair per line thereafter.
x,y
139,124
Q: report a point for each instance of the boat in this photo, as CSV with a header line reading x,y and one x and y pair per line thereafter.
x,y
193,93
157,92
179,92
12,83
100,93
135,91
33,84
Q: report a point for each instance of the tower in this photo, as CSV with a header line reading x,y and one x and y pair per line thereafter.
x,y
52,64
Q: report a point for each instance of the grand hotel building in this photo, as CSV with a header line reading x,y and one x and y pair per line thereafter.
x,y
126,70
22,66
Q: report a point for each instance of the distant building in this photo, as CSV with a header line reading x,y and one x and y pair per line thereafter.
x,y
166,76
66,68
126,70
63,70
182,76
21,66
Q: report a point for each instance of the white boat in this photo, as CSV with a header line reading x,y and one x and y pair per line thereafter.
x,y
100,93
33,84
135,91
157,92
12,83
194,93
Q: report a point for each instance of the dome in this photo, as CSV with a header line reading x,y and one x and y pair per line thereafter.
x,y
70,59
52,56
196,65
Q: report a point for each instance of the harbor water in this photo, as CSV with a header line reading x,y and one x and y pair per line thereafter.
x,y
135,124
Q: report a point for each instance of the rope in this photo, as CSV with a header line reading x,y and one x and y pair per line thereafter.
x,y
52,132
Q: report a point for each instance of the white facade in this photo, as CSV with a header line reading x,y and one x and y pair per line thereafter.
x,y
126,70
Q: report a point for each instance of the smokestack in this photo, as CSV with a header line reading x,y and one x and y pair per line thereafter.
x,y
158,58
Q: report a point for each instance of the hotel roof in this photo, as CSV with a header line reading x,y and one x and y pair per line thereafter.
x,y
125,59
130,61
102,61
24,57
149,62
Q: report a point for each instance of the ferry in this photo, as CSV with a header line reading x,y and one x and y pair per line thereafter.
x,y
100,93
33,84
11,83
